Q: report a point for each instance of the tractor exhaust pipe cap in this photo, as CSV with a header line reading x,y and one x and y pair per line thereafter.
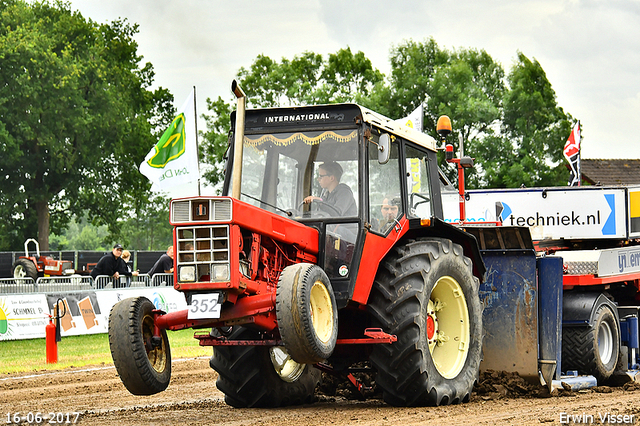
x,y
235,88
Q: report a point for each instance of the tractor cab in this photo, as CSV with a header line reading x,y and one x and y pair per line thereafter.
x,y
341,169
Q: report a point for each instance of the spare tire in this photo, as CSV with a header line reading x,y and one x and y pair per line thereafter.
x,y
307,313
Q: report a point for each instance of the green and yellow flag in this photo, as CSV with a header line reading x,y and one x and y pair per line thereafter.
x,y
174,159
171,144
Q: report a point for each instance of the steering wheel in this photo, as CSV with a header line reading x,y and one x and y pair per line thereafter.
x,y
319,213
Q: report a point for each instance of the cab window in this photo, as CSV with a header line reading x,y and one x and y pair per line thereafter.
x,y
418,189
385,202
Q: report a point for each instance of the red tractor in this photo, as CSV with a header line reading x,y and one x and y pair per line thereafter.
x,y
34,266
284,288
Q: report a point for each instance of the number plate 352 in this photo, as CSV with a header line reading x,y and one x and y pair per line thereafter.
x,y
205,306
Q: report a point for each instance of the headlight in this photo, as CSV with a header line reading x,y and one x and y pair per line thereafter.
x,y
187,273
220,272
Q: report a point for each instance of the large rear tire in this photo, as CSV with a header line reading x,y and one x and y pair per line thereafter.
x,y
425,294
307,313
261,376
25,268
144,368
593,350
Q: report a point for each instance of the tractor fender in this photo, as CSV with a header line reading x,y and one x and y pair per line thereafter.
x,y
441,229
376,248
579,309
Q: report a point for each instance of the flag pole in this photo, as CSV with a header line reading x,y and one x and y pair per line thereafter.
x,y
195,118
579,168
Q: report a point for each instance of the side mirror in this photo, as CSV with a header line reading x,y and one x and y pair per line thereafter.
x,y
384,148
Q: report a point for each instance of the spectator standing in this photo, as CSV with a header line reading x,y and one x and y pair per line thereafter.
x,y
110,264
128,267
163,264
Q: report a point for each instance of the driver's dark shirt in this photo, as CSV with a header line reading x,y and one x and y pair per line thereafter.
x,y
342,199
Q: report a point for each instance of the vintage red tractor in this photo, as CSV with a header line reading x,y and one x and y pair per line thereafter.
x,y
284,288
34,266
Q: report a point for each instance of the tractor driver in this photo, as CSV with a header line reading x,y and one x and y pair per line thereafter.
x,y
336,195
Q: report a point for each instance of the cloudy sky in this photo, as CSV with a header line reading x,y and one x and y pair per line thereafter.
x,y
589,49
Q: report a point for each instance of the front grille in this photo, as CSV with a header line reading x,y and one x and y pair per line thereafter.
x,y
206,248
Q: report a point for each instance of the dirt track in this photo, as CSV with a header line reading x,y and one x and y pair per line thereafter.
x,y
192,399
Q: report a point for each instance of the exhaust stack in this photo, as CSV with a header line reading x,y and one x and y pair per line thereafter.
x,y
239,141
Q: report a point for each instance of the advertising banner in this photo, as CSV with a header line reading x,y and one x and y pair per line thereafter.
x,y
81,312
23,317
550,213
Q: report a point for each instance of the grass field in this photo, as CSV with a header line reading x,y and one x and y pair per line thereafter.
x,y
77,351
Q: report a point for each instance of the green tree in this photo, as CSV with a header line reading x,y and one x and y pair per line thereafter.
x,y
536,129
413,65
465,84
214,141
307,79
80,234
511,125
148,228
469,89
76,118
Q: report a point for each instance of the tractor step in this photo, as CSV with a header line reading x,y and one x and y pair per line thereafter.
x,y
373,336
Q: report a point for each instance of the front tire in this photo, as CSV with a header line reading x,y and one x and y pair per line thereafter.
x,y
593,350
25,268
425,294
261,376
144,368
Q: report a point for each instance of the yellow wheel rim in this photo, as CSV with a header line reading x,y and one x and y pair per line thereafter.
x,y
285,366
321,312
448,327
157,356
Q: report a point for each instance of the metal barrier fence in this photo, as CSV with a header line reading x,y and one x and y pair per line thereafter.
x,y
162,280
17,285
80,282
82,259
58,284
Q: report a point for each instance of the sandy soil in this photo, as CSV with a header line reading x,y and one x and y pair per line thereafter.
x,y
192,399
